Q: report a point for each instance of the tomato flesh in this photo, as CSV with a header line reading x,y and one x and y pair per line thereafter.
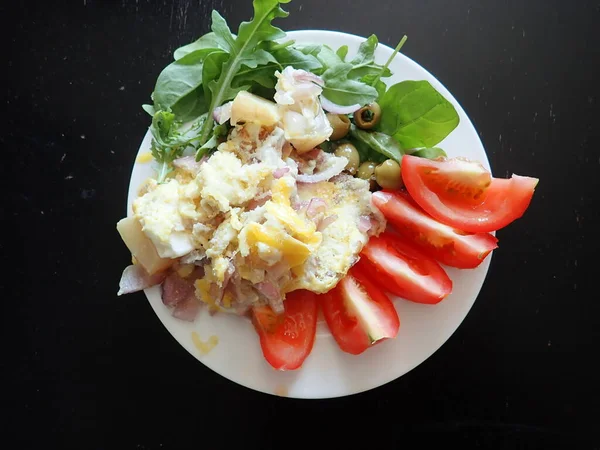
x,y
358,313
503,201
447,245
402,269
287,339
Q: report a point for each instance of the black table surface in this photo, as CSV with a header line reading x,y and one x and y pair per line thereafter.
x,y
82,368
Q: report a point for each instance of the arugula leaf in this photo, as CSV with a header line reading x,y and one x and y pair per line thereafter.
x,y
208,41
285,56
222,31
381,143
382,73
373,80
342,52
328,58
243,47
310,49
219,131
169,142
344,91
430,153
416,115
364,61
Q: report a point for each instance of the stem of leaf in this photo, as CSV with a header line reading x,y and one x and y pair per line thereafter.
x,y
163,172
390,59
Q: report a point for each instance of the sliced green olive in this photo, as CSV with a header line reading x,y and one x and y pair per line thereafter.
x,y
368,116
387,175
366,171
340,124
349,151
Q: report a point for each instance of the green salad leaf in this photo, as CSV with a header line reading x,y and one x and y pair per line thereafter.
x,y
381,143
430,153
244,51
208,41
169,140
179,79
342,52
416,115
345,91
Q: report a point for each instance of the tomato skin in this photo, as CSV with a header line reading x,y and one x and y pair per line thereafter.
x,y
405,271
346,329
505,200
442,242
287,339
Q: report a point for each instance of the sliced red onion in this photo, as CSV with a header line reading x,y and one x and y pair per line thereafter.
x,y
187,309
303,75
258,201
312,154
315,206
273,296
189,163
334,108
299,205
278,173
135,278
326,222
222,113
277,270
334,169
268,289
364,224
176,289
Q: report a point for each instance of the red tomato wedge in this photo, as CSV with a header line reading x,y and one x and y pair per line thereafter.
x,y
402,269
449,246
456,192
287,339
359,314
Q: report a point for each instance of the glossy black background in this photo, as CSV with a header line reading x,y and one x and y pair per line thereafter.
x,y
81,366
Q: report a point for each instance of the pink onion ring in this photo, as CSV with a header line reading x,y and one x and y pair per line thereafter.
x,y
364,224
278,173
315,206
326,222
334,108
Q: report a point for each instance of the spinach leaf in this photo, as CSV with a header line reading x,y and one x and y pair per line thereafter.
x,y
416,114
381,143
243,47
344,91
191,106
365,152
149,109
430,153
179,79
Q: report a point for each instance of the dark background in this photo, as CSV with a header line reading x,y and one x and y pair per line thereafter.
x,y
80,366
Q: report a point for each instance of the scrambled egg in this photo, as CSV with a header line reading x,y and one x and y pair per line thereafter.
x,y
246,220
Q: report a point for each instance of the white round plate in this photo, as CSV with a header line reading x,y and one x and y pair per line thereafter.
x,y
329,372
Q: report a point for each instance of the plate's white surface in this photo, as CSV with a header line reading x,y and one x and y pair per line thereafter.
x,y
328,372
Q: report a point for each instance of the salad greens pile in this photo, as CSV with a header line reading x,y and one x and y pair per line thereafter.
x,y
210,71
